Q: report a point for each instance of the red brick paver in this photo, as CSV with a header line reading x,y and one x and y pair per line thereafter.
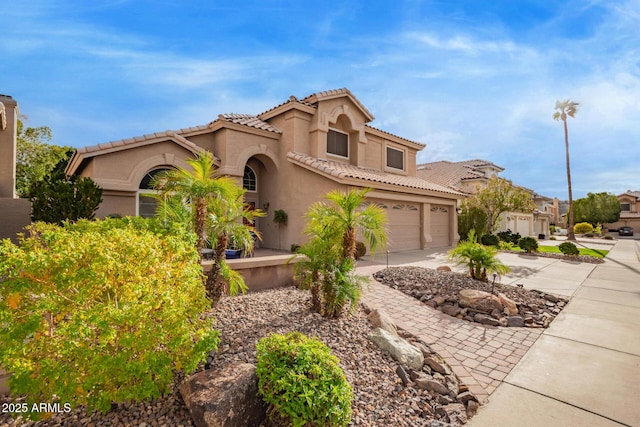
x,y
481,356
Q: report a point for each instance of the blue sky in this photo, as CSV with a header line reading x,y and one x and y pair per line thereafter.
x,y
471,79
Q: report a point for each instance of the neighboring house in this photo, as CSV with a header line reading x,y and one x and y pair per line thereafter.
x,y
470,175
629,211
16,213
286,158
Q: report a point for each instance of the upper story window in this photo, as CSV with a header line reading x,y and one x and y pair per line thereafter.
x,y
338,143
625,207
249,181
395,158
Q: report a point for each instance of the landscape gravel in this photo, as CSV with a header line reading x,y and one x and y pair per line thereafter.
x,y
380,399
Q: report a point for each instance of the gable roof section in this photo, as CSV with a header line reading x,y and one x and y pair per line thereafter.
x,y
245,120
289,104
82,155
385,134
314,98
635,194
343,171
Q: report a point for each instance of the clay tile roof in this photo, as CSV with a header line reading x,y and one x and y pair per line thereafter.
x,y
447,174
333,93
344,170
292,99
247,120
396,136
123,143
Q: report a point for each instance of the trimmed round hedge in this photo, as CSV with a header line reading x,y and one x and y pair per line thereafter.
x,y
302,381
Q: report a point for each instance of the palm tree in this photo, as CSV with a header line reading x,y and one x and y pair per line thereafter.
x,y
328,269
567,108
348,217
194,189
478,258
227,223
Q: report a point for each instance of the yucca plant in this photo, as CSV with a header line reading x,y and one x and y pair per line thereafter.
x,y
481,260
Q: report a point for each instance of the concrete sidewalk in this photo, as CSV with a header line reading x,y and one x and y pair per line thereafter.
x,y
582,371
585,369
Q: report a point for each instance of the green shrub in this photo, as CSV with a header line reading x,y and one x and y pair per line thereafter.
x,y
528,244
553,238
589,235
489,240
294,248
505,246
302,380
101,312
608,237
568,248
509,236
361,250
582,228
552,229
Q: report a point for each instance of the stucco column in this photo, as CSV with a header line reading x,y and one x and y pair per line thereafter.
x,y
8,137
453,221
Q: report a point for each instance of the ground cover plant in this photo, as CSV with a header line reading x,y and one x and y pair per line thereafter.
x,y
101,312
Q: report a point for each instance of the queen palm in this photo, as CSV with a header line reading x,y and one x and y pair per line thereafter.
x,y
567,108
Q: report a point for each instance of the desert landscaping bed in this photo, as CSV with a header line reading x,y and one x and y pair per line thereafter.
x,y
380,398
568,258
441,290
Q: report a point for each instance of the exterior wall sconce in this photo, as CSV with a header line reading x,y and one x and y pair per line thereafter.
x,y
459,210
265,206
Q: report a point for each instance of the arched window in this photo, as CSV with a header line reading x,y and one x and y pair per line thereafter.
x,y
147,205
249,181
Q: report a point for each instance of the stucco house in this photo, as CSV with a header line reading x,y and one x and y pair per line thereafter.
x,y
286,158
470,175
16,212
629,211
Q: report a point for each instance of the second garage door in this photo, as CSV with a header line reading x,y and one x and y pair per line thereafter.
x,y
440,226
403,223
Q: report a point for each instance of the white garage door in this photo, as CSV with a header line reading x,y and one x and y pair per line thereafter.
x,y
403,223
440,226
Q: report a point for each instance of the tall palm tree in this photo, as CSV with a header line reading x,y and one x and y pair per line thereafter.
x,y
195,189
567,108
348,217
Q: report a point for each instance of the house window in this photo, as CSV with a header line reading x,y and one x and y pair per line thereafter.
x,y
626,207
395,158
147,204
338,143
249,181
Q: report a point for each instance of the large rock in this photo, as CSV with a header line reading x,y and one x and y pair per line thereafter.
x,y
405,353
510,307
227,397
430,384
380,319
437,364
480,300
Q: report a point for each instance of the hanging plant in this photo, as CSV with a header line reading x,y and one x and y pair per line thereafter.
x,y
280,217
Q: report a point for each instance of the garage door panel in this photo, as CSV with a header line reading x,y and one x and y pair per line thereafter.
x,y
403,224
440,225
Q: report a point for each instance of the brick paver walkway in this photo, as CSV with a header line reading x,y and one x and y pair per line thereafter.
x,y
481,356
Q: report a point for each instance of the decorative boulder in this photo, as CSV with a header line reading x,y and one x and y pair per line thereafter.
x,y
405,353
380,319
480,300
226,397
510,307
